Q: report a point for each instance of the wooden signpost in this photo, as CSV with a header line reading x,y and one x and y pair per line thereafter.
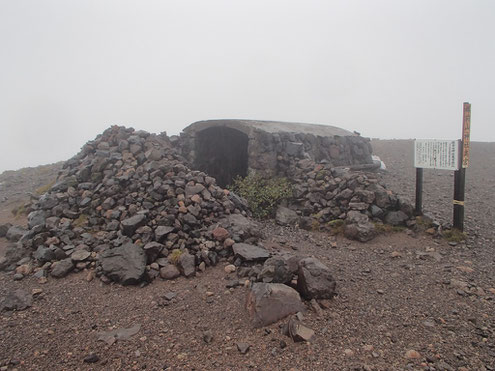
x,y
445,155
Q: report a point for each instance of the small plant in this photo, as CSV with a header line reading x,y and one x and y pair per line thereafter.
x,y
387,228
315,225
174,256
43,189
454,235
81,221
19,211
336,226
263,195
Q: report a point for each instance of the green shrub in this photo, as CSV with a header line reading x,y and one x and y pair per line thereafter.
x,y
337,226
454,235
174,256
263,195
45,188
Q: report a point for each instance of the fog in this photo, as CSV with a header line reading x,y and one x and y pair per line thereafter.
x,y
387,69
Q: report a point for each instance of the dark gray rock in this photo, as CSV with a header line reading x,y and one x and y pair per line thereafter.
x,y
286,216
16,300
270,302
162,231
130,225
395,218
80,255
44,254
35,218
125,264
362,232
299,332
13,253
359,227
152,251
15,233
277,270
4,228
191,190
315,280
62,268
250,253
187,264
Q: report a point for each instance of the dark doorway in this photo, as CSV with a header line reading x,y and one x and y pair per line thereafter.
x,y
221,152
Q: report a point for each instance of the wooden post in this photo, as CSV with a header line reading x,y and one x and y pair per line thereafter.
x,y
459,187
460,175
419,191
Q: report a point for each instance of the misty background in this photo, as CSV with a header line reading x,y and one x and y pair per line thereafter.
x,y
387,69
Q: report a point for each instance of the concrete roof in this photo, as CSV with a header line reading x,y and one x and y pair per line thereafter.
x,y
247,126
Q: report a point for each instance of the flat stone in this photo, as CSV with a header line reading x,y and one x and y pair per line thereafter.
x,y
162,231
16,300
80,255
299,332
250,253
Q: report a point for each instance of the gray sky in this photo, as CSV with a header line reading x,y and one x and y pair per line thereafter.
x,y
388,69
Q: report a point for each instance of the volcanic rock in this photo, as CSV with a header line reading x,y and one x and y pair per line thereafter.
x,y
62,268
269,302
315,280
124,264
250,253
16,300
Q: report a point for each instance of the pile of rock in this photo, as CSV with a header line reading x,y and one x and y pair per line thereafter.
x,y
129,206
278,281
323,194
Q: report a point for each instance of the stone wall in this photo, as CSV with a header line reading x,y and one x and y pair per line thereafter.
x,y
271,152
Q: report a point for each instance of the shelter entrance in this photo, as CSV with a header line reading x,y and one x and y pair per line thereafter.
x,y
222,152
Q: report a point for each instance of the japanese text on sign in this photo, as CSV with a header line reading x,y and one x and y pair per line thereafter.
x,y
436,154
466,131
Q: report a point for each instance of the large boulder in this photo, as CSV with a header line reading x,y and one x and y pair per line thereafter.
x,y
270,302
314,280
125,264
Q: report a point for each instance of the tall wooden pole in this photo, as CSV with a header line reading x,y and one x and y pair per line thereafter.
x,y
460,175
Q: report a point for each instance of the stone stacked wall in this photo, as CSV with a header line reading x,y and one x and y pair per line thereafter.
x,y
272,153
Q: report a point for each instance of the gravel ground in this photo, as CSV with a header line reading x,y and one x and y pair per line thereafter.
x,y
399,293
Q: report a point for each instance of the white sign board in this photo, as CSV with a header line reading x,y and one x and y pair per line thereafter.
x,y
436,154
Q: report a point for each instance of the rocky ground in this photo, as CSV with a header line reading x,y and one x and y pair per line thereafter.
x,y
405,301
